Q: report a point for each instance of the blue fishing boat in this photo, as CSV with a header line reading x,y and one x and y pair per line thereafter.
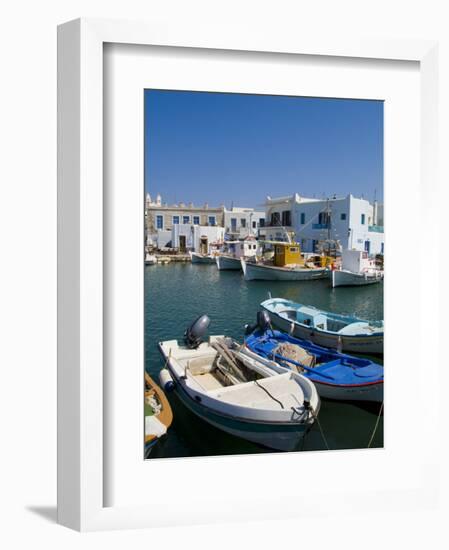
x,y
336,375
331,330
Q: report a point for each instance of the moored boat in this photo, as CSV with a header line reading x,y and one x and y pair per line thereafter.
x,y
287,264
342,277
259,271
336,375
241,394
225,263
331,330
198,258
158,414
150,259
357,269
234,251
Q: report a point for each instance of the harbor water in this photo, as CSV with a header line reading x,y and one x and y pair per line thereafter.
x,y
177,293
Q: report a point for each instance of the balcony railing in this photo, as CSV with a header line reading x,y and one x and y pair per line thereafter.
x,y
376,228
278,227
320,226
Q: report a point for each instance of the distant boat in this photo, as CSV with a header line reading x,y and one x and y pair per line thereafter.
x,y
324,328
158,414
287,265
198,258
336,376
239,393
343,277
259,271
357,269
150,259
230,258
225,262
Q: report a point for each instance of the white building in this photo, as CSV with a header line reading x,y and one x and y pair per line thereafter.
x,y
243,222
161,219
197,238
351,221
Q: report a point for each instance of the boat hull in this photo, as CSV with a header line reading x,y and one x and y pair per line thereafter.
x,y
348,278
356,344
280,429
253,271
163,419
150,260
336,376
200,259
228,263
369,392
281,437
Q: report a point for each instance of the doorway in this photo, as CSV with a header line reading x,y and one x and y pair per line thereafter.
x,y
203,245
182,244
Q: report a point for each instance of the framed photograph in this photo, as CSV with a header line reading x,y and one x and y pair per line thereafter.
x,y
231,275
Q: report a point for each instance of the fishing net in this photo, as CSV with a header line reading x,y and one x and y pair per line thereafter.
x,y
296,353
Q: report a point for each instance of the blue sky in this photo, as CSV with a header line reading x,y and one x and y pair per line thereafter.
x,y
223,148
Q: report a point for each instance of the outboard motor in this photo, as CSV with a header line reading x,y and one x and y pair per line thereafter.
x,y
194,334
263,323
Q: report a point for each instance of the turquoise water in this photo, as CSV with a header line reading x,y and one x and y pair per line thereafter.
x,y
177,293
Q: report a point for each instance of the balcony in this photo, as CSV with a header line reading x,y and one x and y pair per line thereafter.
x,y
320,226
376,228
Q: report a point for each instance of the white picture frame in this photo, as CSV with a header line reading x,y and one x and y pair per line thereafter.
x,y
81,419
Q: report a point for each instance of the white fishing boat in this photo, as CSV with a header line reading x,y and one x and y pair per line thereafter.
x,y
331,330
227,263
234,251
253,271
244,395
357,269
286,264
150,259
198,258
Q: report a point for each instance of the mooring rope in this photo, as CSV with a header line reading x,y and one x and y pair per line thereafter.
x,y
315,416
376,425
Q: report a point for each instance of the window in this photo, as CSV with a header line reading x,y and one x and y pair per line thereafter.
x,y
342,217
243,222
159,222
303,218
211,220
381,248
262,222
286,218
323,218
186,219
233,224
196,220
362,219
275,219
175,220
254,225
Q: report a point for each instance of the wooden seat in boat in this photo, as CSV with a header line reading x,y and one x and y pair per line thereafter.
x,y
250,394
207,381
